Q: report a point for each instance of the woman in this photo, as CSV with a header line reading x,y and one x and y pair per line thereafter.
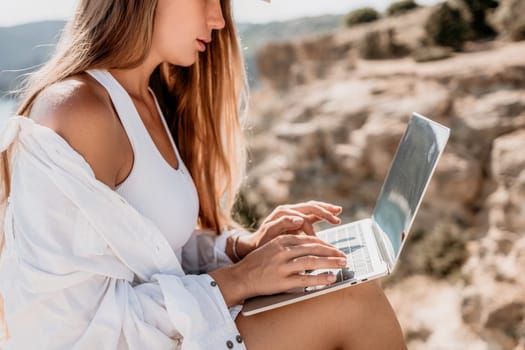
x,y
126,141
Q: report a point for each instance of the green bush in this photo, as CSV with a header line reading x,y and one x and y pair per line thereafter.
x,y
446,251
362,15
446,26
400,7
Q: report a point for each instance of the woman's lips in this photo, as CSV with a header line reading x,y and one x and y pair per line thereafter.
x,y
202,45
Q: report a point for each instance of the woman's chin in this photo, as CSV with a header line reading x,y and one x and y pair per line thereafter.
x,y
186,62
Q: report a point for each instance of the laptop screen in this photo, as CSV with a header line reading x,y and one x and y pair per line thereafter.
x,y
408,177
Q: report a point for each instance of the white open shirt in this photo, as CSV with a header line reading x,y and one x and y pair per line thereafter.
x,y
82,269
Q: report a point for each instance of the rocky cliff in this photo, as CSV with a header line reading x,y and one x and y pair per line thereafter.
x,y
326,126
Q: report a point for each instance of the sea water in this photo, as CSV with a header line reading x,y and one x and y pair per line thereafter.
x,y
7,108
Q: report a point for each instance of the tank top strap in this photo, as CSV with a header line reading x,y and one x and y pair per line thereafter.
x,y
123,104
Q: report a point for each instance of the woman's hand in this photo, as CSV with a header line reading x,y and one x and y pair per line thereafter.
x,y
279,266
305,214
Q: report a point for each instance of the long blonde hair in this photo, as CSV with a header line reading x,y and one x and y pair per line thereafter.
x,y
202,103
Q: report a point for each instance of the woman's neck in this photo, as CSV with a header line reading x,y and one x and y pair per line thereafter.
x,y
136,80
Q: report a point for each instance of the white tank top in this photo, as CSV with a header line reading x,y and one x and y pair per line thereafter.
x,y
165,195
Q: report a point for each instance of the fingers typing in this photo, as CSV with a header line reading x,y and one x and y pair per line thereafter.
x,y
311,262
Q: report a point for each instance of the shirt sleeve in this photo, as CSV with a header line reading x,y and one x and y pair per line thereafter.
x,y
205,252
90,301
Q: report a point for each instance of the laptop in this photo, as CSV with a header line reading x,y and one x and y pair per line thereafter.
x,y
373,245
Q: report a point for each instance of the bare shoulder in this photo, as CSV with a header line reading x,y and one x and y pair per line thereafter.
x,y
80,112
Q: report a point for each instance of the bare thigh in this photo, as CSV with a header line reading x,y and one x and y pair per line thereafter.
x,y
359,317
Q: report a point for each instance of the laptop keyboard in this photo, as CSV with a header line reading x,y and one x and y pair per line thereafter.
x,y
351,241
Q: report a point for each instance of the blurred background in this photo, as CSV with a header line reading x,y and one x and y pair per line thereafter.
x,y
331,95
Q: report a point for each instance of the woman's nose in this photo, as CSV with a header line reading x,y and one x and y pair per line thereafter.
x,y
215,17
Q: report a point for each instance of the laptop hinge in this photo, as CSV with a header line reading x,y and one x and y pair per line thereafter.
x,y
386,255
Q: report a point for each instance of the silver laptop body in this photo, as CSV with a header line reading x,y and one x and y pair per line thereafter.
x,y
373,245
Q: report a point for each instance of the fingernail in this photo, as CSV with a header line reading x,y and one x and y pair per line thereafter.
x,y
341,262
331,277
297,220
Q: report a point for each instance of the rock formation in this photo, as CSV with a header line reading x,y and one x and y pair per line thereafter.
x,y
326,126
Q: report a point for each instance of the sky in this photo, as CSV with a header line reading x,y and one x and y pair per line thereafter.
x,y
23,11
